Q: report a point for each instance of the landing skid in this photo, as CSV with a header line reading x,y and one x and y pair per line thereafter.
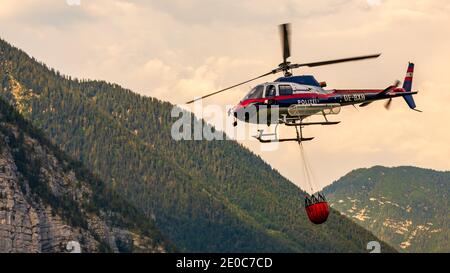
x,y
312,123
276,139
297,123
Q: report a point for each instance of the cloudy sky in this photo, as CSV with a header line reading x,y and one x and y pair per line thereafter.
x,y
178,49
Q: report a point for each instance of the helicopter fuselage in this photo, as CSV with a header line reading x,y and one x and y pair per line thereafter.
x,y
302,96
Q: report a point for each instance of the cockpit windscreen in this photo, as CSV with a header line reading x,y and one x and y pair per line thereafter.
x,y
255,93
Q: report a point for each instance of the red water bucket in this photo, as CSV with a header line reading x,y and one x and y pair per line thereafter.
x,y
318,212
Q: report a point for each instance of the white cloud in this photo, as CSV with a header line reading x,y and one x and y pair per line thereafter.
x,y
374,2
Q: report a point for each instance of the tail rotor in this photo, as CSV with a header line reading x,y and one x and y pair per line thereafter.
x,y
388,103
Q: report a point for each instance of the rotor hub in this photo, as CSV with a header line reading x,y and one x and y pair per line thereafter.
x,y
286,68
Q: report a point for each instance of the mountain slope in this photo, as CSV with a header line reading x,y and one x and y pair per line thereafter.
x,y
405,206
213,196
48,200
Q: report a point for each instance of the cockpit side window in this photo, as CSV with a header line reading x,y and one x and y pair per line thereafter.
x,y
285,89
271,91
302,89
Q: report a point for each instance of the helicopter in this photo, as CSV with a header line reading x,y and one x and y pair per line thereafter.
x,y
290,99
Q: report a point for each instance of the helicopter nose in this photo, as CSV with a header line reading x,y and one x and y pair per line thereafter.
x,y
238,109
241,113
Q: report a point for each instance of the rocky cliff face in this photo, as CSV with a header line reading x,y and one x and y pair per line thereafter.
x,y
47,204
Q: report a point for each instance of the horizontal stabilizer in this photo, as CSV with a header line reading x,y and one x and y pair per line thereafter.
x,y
404,94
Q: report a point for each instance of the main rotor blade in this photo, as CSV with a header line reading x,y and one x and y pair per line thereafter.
x,y
351,59
233,86
285,32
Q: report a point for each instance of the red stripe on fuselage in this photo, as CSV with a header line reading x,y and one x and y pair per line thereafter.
x,y
244,103
398,89
332,93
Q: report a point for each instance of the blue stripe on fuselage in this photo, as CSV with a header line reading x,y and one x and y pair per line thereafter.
x,y
340,98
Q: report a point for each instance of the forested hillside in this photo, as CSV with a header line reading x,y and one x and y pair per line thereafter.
x,y
48,200
204,195
407,207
